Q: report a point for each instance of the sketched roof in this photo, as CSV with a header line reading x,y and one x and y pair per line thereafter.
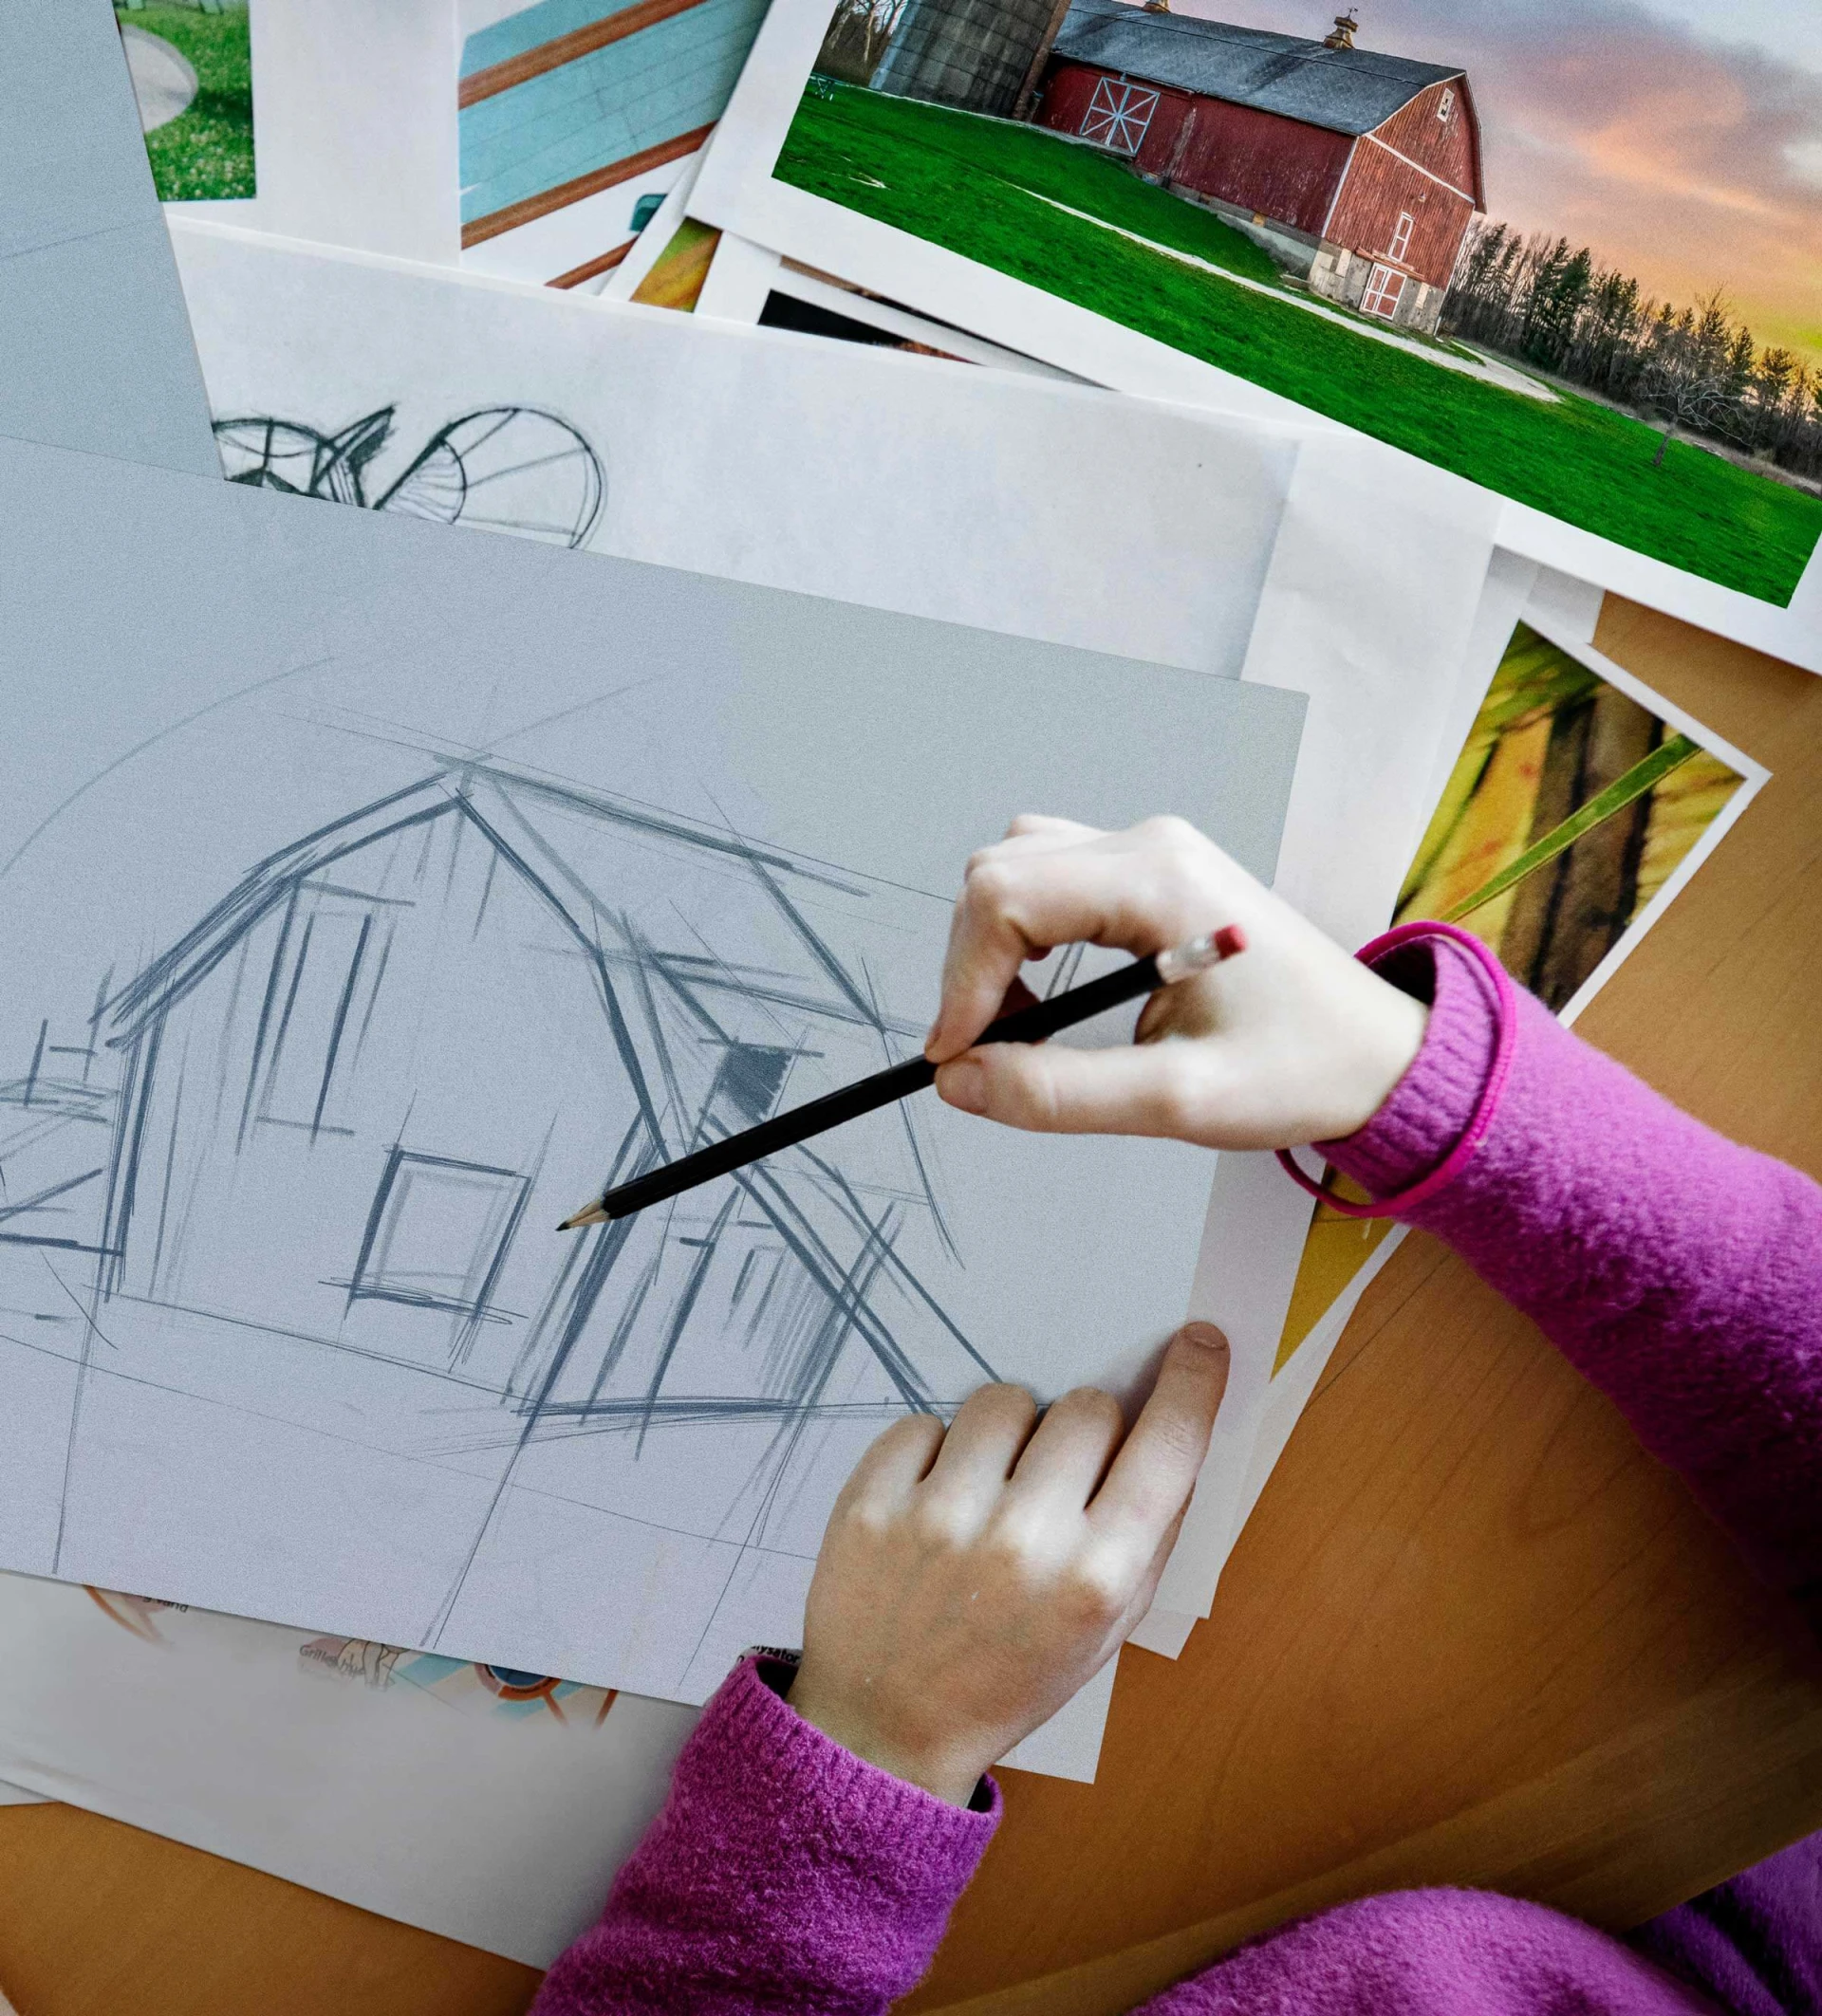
x,y
1348,91
542,827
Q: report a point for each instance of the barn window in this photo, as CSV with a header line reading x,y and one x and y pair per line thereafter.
x,y
1385,290
438,1233
1402,237
318,998
1445,105
1118,115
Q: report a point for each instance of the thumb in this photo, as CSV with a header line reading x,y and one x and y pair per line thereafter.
x,y
1049,1088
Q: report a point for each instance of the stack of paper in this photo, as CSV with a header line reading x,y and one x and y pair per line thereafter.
x,y
371,892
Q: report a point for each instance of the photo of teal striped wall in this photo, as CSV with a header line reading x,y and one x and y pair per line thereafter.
x,y
569,96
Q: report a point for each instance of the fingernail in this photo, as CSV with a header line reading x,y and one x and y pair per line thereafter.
x,y
963,1083
1204,1335
931,1036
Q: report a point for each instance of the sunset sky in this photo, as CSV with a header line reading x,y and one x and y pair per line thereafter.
x,y
1682,139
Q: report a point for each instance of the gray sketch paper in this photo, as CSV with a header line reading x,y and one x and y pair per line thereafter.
x,y
369,897
95,350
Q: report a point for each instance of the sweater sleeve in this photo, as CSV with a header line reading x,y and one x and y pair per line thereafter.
x,y
783,1874
1679,1271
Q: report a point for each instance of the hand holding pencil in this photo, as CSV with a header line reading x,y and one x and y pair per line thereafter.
x,y
1305,1047
1296,1042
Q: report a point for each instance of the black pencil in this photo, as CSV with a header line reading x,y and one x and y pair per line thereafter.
x,y
1028,1024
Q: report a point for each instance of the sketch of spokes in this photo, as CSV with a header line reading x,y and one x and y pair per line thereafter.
x,y
505,469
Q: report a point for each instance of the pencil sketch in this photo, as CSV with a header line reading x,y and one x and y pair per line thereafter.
x,y
337,1117
507,469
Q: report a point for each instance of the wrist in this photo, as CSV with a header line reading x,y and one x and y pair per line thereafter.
x,y
1390,1027
943,1769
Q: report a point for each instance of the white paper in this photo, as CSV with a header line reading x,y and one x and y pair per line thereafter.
x,y
488,1808
1069,1745
735,189
816,292
1164,1632
1142,530
1369,607
354,127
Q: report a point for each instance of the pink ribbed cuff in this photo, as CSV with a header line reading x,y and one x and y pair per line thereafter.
x,y
746,1709
1440,1110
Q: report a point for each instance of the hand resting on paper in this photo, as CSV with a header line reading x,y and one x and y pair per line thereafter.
x,y
972,1579
1295,1041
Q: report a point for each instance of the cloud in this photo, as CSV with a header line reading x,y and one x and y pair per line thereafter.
x,y
1690,161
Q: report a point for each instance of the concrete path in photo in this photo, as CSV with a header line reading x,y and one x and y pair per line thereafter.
x,y
164,81
1471,365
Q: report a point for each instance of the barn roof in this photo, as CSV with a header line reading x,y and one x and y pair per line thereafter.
x,y
1346,90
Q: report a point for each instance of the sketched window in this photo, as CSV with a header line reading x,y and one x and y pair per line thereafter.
x,y
318,999
439,1231
1402,236
1445,105
1385,290
747,1083
1118,115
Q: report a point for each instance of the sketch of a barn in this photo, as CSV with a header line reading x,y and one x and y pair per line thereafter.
x,y
350,1105
1361,172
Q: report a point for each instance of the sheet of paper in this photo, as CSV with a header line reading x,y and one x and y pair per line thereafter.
x,y
97,351
1369,606
498,836
1143,531
354,111
578,116
488,1806
1067,183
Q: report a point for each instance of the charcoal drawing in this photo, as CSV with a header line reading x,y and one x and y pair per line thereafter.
x,y
505,469
370,898
304,1049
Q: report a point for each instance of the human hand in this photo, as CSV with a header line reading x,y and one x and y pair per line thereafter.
x,y
1292,1042
971,1580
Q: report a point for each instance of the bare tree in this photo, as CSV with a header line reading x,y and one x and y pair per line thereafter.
x,y
1695,372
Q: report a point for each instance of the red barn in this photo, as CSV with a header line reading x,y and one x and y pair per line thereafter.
x,y
1359,171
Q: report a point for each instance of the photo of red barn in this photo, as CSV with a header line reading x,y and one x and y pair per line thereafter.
x,y
1357,171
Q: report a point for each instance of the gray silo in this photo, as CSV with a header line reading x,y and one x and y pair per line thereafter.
x,y
976,54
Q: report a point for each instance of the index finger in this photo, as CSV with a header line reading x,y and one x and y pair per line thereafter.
x,y
1156,1469
1020,900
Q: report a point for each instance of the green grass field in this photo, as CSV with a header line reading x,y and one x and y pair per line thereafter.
x,y
969,184
206,151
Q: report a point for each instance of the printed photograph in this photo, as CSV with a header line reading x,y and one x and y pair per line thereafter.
x,y
575,118
1572,258
192,66
1568,811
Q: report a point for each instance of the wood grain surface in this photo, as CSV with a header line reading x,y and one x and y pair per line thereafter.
x,y
1472,1634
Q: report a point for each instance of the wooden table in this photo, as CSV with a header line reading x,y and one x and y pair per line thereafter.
x,y
1473,1634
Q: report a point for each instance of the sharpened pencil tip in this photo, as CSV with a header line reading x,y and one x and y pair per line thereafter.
x,y
592,1215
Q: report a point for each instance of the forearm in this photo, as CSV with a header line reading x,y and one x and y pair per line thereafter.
x,y
783,1874
1679,1271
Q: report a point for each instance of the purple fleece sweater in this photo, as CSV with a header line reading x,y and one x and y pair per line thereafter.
x,y
1681,1274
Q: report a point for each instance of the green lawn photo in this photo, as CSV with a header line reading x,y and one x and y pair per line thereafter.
x,y
1072,220
207,150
